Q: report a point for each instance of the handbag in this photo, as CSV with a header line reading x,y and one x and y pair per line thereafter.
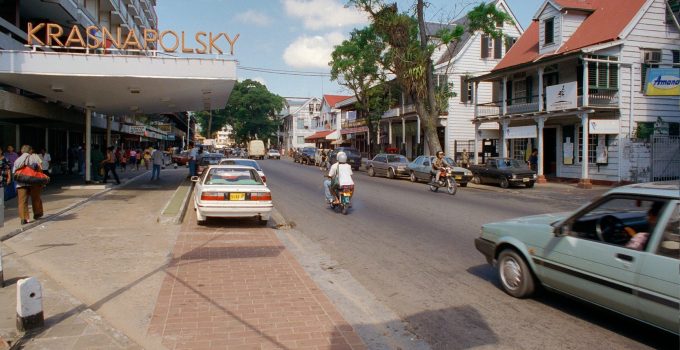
x,y
28,175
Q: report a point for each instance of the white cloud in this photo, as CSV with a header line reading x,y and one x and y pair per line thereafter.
x,y
312,51
253,17
319,14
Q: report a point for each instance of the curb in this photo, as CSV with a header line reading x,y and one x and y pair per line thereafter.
x,y
67,209
279,222
179,217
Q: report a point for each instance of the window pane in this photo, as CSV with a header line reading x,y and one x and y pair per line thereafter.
x,y
549,29
670,241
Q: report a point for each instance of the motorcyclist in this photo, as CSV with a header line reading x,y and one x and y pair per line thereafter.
x,y
340,174
438,164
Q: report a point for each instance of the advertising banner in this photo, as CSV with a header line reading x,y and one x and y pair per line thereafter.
x,y
663,82
603,126
561,96
521,132
138,130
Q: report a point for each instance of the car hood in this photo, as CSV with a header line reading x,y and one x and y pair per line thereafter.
x,y
522,227
542,219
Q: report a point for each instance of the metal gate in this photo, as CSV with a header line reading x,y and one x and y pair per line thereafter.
x,y
665,158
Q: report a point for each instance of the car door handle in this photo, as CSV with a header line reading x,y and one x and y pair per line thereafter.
x,y
624,257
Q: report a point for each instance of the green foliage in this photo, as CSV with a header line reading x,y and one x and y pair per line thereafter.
x,y
251,111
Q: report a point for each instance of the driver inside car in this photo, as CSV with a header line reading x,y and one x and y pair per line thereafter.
x,y
639,240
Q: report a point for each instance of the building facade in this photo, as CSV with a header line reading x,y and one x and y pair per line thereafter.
x,y
575,87
298,118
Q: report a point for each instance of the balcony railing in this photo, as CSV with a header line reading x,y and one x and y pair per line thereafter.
x,y
596,98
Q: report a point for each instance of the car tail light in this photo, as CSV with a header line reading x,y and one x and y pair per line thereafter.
x,y
212,196
261,196
264,178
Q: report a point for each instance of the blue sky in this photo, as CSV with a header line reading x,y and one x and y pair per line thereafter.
x,y
292,35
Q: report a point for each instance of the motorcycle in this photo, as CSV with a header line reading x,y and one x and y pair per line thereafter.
x,y
345,194
446,180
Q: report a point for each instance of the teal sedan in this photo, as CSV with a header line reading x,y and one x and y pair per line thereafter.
x,y
622,252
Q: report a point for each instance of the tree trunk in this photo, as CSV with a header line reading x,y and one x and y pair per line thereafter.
x,y
429,125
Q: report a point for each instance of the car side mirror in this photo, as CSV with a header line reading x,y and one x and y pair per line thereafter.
x,y
194,178
559,229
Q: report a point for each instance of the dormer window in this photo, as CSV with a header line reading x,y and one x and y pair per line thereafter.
x,y
549,31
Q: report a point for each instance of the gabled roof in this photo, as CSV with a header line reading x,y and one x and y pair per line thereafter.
x,y
607,21
331,100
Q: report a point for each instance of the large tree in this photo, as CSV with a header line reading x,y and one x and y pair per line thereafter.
x,y
356,64
251,111
409,53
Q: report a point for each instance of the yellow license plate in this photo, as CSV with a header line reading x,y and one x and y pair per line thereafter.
x,y
237,196
459,177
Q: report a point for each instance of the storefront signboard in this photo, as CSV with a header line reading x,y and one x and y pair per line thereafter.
x,y
488,134
560,97
603,126
138,130
663,82
52,34
521,132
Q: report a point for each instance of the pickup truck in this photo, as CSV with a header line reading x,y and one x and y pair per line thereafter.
x,y
503,171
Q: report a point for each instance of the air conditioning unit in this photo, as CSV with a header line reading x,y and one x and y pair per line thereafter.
x,y
652,57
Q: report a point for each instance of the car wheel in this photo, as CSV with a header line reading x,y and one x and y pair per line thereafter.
x,y
390,173
463,184
413,177
262,222
516,278
530,184
371,172
476,180
504,182
345,209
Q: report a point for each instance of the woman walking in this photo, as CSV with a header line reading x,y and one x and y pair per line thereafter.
x,y
133,159
124,155
25,190
110,165
147,158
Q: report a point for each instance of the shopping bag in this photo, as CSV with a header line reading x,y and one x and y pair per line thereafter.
x,y
30,176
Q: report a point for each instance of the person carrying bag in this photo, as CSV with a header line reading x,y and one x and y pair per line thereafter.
x,y
30,180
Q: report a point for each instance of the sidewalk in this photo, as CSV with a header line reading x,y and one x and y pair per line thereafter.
x,y
114,276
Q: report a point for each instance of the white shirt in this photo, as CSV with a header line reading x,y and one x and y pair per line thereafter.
x,y
344,173
46,159
193,154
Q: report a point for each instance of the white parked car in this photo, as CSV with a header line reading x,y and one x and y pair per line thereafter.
x,y
245,162
231,191
273,154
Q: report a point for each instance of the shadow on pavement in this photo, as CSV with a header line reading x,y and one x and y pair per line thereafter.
x,y
204,253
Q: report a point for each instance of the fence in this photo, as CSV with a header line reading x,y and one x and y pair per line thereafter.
x,y
665,158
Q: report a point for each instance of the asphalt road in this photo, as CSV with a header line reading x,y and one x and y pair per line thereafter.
x,y
414,251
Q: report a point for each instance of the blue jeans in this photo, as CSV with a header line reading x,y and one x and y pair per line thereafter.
x,y
192,168
156,172
327,190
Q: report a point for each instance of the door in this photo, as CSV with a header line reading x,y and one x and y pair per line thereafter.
x,y
594,260
550,151
423,170
487,174
658,280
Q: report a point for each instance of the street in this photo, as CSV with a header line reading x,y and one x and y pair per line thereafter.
x,y
414,251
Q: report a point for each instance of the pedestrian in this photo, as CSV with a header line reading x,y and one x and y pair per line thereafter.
x,y
25,190
81,159
46,161
11,155
5,182
124,155
97,170
110,165
466,158
147,158
533,159
193,156
72,157
133,159
157,160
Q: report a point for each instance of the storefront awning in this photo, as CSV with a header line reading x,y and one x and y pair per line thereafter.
x,y
333,136
319,135
121,84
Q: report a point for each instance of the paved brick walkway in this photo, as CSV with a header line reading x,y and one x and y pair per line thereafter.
x,y
239,288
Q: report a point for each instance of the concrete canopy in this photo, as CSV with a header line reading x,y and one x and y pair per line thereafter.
x,y
120,84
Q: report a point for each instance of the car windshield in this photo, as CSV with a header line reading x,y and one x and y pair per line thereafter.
x,y
395,158
510,164
232,176
210,160
245,162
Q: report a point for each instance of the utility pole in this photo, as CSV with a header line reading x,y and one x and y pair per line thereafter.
x,y
188,128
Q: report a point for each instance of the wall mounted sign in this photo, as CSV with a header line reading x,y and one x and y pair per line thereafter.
x,y
663,82
603,126
521,132
601,150
561,96
487,134
138,130
568,152
52,35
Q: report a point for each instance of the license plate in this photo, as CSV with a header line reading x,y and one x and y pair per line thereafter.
x,y
348,194
526,179
459,177
237,196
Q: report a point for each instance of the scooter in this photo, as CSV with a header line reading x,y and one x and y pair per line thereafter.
x,y
446,180
345,194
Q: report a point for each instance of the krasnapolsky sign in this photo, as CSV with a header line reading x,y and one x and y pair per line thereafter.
x,y
663,82
52,35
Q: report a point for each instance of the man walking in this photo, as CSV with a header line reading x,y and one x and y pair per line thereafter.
x,y
193,156
157,161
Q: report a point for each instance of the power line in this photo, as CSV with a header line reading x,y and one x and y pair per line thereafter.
x,y
284,72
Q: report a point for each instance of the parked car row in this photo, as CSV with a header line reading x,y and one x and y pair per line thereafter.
x,y
420,169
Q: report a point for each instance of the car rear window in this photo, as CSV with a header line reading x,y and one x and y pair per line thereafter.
x,y
232,176
245,162
210,160
392,158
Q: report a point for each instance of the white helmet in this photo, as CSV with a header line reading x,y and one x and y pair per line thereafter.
x,y
342,157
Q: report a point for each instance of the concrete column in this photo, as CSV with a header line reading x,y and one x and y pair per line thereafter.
x,y
29,304
504,98
389,132
540,89
476,143
584,182
377,141
475,100
403,131
88,144
108,131
68,147
541,154
17,138
504,147
418,129
585,84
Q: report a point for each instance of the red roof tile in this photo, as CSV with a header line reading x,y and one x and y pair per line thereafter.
x,y
331,100
603,25
319,135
